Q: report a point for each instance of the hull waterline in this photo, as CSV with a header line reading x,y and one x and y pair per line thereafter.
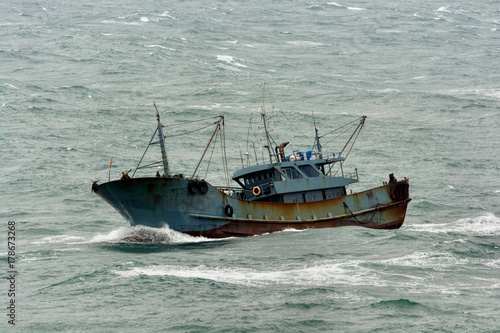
x,y
159,202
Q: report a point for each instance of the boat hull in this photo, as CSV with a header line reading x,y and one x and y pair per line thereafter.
x,y
159,202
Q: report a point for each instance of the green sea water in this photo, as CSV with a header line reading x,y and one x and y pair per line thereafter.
x,y
78,81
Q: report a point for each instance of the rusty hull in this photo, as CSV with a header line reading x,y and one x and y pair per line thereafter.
x,y
156,202
394,213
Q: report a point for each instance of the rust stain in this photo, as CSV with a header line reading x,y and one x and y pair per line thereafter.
x,y
237,228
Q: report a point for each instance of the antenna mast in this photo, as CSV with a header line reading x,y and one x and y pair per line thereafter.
x,y
162,143
318,145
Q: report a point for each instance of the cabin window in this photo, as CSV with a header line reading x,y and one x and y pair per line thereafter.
x,y
309,170
292,173
296,174
278,176
321,168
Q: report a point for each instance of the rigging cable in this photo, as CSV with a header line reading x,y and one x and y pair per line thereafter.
x,y
336,129
196,130
137,167
192,121
358,129
344,131
284,115
224,155
213,149
208,146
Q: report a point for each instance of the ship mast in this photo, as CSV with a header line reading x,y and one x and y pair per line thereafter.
x,y
162,143
318,145
265,124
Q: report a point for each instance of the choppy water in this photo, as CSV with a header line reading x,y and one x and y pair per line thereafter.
x,y
78,80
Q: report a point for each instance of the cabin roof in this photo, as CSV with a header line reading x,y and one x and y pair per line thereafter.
x,y
254,169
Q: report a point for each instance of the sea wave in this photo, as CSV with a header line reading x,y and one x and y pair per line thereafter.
x,y
59,239
485,225
323,274
343,6
230,60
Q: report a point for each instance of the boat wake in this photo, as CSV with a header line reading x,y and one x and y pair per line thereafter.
x,y
317,275
143,234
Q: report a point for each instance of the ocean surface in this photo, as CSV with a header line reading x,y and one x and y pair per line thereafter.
x,y
77,86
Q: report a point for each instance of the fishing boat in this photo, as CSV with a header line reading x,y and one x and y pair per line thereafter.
x,y
299,191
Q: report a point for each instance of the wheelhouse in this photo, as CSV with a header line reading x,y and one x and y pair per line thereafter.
x,y
292,180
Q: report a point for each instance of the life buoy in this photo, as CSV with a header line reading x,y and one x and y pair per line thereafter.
x,y
256,191
203,187
192,187
228,210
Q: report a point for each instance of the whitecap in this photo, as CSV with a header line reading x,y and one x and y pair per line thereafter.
x,y
494,263
434,260
230,60
11,86
144,19
486,225
165,14
160,46
355,8
443,9
305,43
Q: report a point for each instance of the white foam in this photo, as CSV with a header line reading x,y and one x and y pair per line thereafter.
x,y
489,93
165,14
230,60
435,260
443,9
144,19
494,263
305,43
163,235
486,225
11,86
160,46
292,230
59,239
329,274
350,273
343,6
